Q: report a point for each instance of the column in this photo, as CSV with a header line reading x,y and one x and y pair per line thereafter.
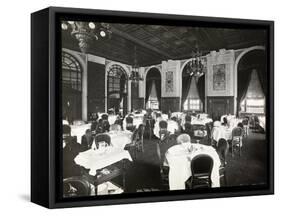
x,y
85,91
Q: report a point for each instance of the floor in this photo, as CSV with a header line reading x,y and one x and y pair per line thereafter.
x,y
249,169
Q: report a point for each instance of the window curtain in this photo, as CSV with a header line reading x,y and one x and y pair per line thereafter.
x,y
147,90
158,91
244,78
186,81
201,90
262,74
122,87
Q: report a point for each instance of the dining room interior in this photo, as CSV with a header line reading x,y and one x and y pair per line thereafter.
x,y
149,108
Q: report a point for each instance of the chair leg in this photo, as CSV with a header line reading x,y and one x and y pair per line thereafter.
x,y
232,149
240,146
224,176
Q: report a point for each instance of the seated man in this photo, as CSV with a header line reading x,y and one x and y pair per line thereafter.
x,y
163,130
70,151
105,126
99,128
87,140
164,145
94,123
185,141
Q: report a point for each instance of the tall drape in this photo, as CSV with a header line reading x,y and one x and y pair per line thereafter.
x,y
186,81
262,74
201,90
148,89
158,91
244,78
122,86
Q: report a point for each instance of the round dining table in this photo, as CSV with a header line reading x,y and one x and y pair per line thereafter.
x,y
119,139
179,158
173,127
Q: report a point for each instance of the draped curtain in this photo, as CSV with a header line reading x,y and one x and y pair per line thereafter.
x,y
186,81
244,78
122,86
201,90
158,90
263,79
148,90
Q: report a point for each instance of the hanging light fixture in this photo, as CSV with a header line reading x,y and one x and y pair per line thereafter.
x,y
195,67
135,76
87,32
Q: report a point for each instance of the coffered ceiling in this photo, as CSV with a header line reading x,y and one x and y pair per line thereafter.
x,y
155,43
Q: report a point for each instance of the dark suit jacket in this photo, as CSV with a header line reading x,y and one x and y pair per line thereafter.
x,y
85,144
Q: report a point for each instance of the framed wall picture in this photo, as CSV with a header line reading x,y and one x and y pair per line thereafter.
x,y
138,107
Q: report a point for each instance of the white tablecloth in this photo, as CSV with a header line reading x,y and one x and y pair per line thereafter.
x,y
179,159
262,121
177,114
172,127
94,160
119,139
222,132
112,119
204,121
79,131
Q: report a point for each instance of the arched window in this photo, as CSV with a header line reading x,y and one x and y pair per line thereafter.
x,y
116,77
254,101
117,89
153,89
71,72
252,79
192,102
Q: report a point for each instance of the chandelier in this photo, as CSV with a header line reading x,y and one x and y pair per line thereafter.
x,y
135,76
195,67
87,32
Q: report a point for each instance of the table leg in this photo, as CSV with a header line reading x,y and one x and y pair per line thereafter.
x,y
124,173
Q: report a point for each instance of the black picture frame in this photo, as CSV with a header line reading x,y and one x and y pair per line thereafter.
x,y
46,110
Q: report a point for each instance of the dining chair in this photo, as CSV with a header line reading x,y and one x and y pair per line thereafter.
x,y
76,186
163,131
209,129
137,141
237,139
222,150
201,169
102,138
66,129
162,147
199,131
245,123
129,124
149,124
